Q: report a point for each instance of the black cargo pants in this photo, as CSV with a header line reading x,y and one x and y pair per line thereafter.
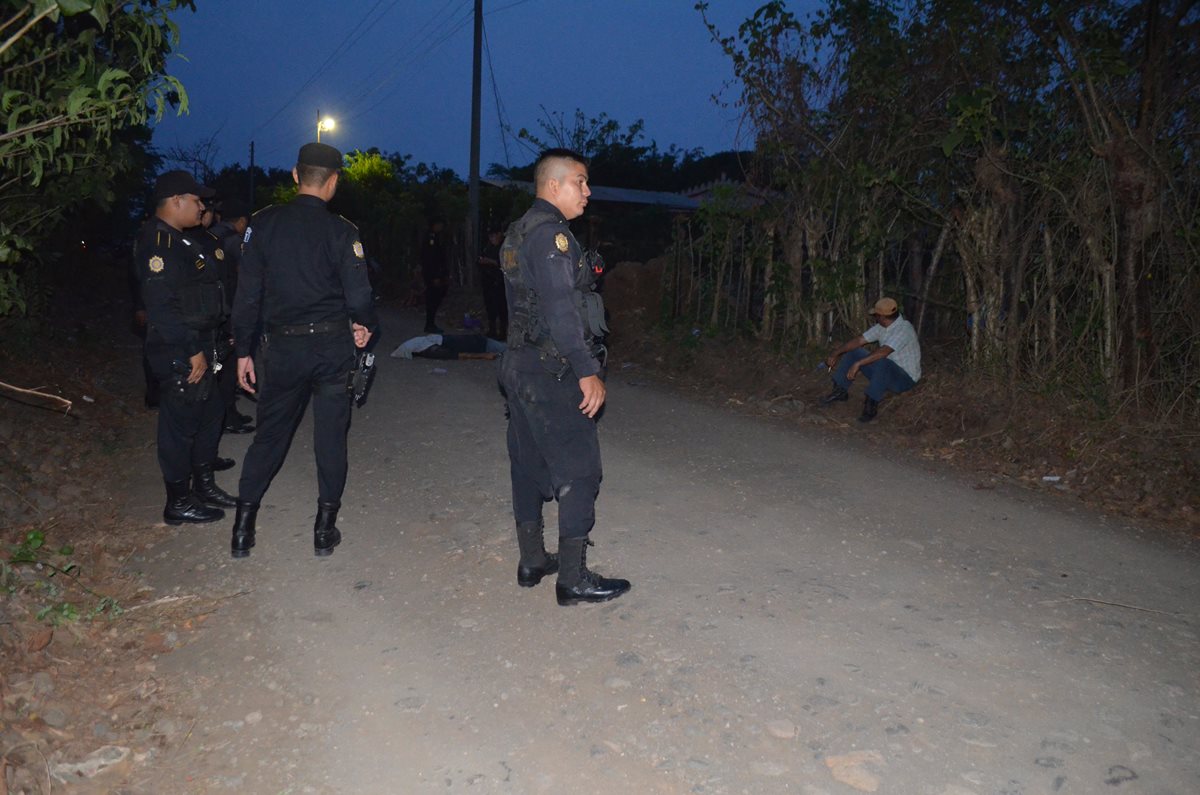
x,y
553,448
189,419
291,370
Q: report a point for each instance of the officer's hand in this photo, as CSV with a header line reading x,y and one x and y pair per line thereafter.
x,y
199,365
246,378
831,362
362,335
139,318
593,394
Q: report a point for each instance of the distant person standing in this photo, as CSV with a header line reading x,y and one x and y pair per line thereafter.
x,y
435,272
224,374
894,366
304,282
230,228
227,232
181,294
552,376
491,280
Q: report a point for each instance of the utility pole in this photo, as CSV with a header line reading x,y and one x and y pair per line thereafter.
x,y
473,185
252,176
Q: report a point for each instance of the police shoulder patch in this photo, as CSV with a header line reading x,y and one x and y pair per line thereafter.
x,y
358,249
560,242
156,264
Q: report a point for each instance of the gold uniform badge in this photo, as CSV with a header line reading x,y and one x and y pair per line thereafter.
x,y
156,264
219,253
560,241
358,249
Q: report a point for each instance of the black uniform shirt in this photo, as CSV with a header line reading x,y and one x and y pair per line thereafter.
x,y
210,248
166,265
229,254
552,257
300,264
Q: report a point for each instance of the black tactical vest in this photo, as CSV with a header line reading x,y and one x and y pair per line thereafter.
x,y
526,326
201,300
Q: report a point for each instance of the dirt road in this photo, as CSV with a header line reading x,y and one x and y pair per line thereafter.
x,y
810,614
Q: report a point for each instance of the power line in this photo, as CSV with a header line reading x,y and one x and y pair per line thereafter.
x,y
367,85
337,52
400,65
461,21
487,48
435,33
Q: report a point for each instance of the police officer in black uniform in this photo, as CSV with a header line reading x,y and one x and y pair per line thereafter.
x,y
182,297
225,379
552,375
304,277
224,236
435,271
491,282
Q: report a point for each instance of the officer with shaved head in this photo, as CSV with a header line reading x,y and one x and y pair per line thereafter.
x,y
552,375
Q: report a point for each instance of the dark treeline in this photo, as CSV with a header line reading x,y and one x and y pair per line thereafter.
x,y
1022,175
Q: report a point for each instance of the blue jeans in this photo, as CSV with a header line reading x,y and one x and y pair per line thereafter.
x,y
884,375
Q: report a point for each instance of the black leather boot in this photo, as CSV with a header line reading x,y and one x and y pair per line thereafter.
x,y
325,535
575,583
243,529
536,562
183,508
204,486
837,395
870,409
221,464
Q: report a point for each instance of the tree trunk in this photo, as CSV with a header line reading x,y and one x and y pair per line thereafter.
x,y
938,248
1051,296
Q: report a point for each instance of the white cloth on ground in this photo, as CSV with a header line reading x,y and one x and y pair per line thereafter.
x,y
416,345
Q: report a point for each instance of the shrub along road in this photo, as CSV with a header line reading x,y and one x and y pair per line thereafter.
x,y
808,614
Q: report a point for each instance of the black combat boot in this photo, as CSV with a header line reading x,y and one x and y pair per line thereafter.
x,y
205,487
183,508
575,583
870,409
221,464
837,395
243,529
325,535
536,562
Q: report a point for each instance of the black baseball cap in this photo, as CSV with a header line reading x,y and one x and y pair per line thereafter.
x,y
179,183
320,155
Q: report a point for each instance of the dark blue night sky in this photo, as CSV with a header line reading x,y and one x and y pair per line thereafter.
x,y
396,74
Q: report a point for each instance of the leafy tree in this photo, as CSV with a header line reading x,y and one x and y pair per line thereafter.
x,y
76,73
622,156
1025,172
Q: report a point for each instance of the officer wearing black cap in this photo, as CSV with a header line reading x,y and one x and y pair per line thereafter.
x,y
304,278
552,376
182,301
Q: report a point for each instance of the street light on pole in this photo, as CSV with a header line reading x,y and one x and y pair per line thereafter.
x,y
323,123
